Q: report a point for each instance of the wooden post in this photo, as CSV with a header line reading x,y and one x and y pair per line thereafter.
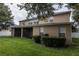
x,y
21,32
13,33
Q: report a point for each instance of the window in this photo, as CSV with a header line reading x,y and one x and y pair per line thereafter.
x,y
36,22
41,29
61,31
30,23
50,19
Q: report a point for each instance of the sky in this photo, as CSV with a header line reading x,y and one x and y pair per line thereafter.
x,y
21,14
18,14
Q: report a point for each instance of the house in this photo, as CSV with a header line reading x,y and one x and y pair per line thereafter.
x,y
58,25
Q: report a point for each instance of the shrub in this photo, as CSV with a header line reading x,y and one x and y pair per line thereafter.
x,y
37,39
53,42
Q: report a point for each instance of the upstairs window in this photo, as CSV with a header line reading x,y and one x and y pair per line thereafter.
x,y
36,22
50,19
30,23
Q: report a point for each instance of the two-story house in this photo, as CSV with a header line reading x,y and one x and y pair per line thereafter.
x,y
58,25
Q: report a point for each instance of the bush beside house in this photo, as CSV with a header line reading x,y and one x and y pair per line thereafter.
x,y
53,41
50,41
37,39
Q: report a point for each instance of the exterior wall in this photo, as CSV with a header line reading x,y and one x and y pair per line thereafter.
x,y
21,23
53,31
26,23
35,31
50,30
53,19
62,18
56,19
68,34
33,22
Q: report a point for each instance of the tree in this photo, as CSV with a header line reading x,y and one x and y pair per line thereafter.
x,y
5,16
75,6
41,10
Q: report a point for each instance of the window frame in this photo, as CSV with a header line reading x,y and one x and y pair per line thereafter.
x,y
61,31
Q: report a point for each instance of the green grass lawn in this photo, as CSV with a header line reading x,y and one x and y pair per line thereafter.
x,y
26,47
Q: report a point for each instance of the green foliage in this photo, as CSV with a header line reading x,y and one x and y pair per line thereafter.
x,y
5,16
41,10
74,29
37,39
75,6
54,42
76,15
5,13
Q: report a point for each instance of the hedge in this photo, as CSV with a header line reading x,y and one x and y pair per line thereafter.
x,y
50,41
37,39
53,41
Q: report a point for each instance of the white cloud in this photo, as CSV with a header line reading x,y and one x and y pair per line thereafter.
x,y
18,14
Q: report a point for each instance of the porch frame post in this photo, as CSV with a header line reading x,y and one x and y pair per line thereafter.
x,y
21,32
13,34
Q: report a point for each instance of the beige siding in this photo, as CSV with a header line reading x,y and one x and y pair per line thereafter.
x,y
21,23
54,32
57,19
51,30
26,23
61,18
68,34
35,31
